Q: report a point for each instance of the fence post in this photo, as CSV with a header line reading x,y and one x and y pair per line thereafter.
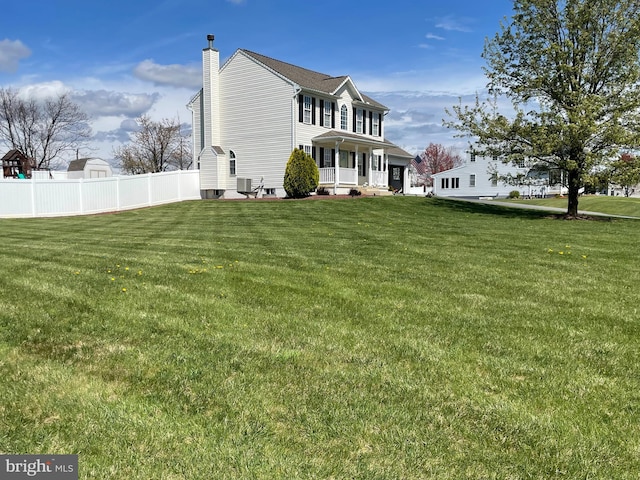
x,y
34,213
149,189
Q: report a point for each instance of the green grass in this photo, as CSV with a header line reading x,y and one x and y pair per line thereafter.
x,y
593,203
369,338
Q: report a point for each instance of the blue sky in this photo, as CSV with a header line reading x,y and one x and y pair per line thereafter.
x,y
120,60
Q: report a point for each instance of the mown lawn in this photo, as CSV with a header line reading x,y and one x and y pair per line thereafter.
x,y
369,338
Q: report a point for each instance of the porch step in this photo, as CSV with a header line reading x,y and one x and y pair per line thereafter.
x,y
369,190
375,191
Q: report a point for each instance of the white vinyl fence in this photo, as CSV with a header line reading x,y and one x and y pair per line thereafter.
x,y
50,198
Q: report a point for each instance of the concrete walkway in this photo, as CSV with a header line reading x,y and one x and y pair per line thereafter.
x,y
541,208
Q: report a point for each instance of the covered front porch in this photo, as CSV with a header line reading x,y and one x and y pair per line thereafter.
x,y
348,161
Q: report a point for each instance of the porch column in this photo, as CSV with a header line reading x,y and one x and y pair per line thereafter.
x,y
337,169
370,166
406,183
386,168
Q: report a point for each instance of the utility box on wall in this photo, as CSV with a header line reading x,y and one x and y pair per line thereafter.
x,y
244,185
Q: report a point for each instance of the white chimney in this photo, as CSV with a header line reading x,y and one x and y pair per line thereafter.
x,y
211,93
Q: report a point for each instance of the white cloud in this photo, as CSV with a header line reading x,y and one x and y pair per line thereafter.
x,y
11,52
451,23
433,36
99,103
182,76
41,91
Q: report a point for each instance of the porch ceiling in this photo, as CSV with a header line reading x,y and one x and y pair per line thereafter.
x,y
349,140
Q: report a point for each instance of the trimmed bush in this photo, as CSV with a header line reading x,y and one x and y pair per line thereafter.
x,y
301,177
514,194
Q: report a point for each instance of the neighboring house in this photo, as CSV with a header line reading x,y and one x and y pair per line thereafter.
x,y
89,168
15,164
482,176
252,112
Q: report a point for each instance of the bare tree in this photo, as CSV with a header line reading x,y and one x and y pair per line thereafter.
x,y
155,147
42,130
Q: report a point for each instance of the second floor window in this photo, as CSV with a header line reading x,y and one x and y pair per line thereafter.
x,y
375,125
344,117
327,114
307,109
359,120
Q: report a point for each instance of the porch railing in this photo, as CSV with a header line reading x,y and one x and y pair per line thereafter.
x,y
379,179
348,176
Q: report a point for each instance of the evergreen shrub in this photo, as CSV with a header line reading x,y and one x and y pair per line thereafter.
x,y
301,177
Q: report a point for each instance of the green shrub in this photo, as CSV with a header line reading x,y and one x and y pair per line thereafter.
x,y
301,177
514,194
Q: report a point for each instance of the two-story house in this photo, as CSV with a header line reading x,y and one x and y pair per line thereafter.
x,y
253,111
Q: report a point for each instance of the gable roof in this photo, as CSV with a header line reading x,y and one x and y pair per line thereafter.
x,y
396,151
309,79
77,165
14,154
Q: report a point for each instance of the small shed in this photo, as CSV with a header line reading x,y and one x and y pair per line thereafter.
x,y
89,168
16,164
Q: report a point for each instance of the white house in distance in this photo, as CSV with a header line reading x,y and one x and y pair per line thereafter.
x,y
480,176
253,111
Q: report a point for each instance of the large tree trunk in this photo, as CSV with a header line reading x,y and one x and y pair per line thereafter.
x,y
574,188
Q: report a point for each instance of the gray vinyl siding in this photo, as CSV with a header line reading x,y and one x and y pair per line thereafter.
x,y
258,114
196,122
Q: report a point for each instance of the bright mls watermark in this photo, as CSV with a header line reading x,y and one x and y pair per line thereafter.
x,y
46,467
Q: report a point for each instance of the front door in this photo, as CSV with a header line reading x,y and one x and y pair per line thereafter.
x,y
396,174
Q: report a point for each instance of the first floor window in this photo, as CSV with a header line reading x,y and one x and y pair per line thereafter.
x,y
455,182
328,159
444,183
494,180
232,163
344,159
472,180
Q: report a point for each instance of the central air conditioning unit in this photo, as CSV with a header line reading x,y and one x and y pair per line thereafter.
x,y
244,185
